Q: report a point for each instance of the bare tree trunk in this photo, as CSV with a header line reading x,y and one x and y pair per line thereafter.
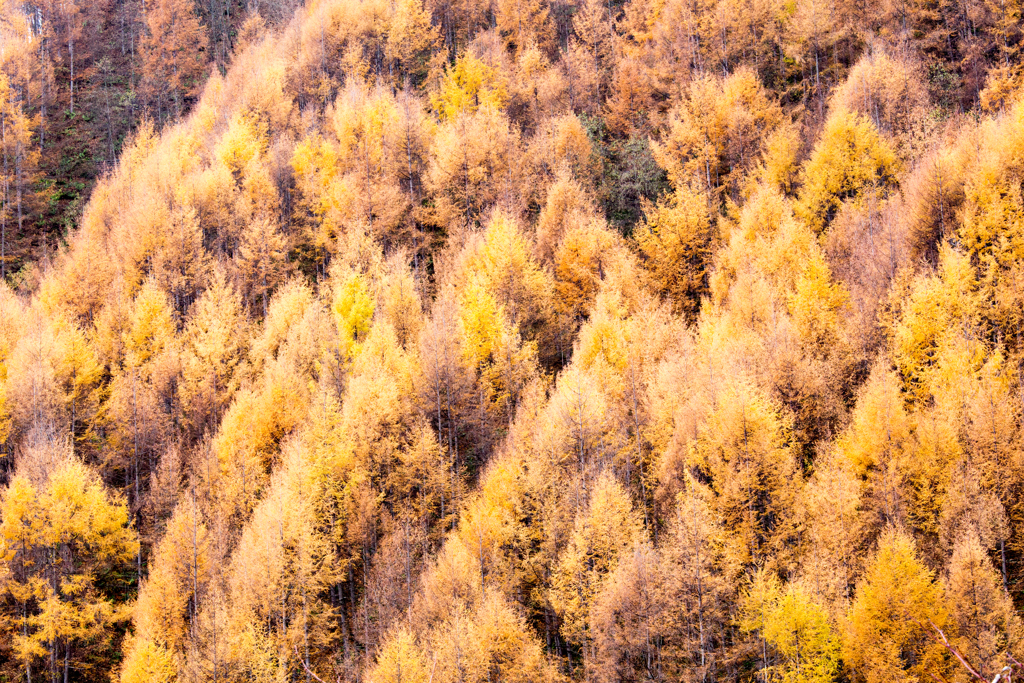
x,y
3,215
71,59
1002,556
135,458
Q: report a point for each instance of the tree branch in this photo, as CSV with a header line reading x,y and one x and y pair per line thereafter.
x,y
306,667
940,638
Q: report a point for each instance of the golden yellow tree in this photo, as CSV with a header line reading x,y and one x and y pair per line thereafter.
x,y
677,239
798,628
60,531
603,533
850,159
716,132
172,54
987,628
214,343
890,626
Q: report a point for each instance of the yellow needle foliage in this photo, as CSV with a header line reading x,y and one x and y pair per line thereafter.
x,y
890,628
353,312
797,628
450,341
850,160
677,240
601,536
717,131
60,531
466,86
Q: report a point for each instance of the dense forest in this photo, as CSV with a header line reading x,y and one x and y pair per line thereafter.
x,y
416,341
76,77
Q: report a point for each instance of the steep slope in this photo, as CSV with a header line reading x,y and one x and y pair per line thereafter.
x,y
642,341
79,77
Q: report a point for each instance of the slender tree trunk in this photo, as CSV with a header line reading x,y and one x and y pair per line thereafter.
x,y
1002,556
19,171
6,190
195,557
71,59
24,634
135,458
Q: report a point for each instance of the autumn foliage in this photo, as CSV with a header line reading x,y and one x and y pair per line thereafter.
x,y
526,341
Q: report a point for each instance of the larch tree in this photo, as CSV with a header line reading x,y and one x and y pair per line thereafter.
x,y
61,532
170,597
493,350
701,584
470,168
141,390
446,382
411,38
181,264
603,533
172,52
987,629
503,264
499,644
629,619
467,86
263,251
890,627
715,132
798,628
877,446
851,159
214,342
836,528
525,23
677,238
992,208
744,449
401,660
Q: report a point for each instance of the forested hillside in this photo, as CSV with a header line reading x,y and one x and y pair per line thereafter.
x,y
528,340
76,78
